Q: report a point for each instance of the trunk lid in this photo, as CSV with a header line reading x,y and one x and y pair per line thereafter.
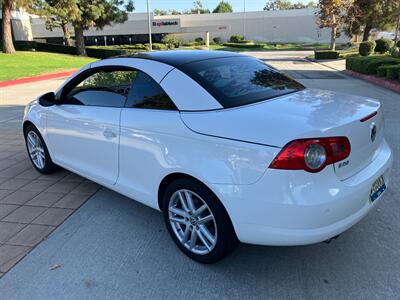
x,y
305,114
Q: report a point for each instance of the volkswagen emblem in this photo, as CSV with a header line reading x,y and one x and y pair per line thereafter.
x,y
373,131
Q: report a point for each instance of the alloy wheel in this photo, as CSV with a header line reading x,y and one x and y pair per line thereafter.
x,y
192,222
36,149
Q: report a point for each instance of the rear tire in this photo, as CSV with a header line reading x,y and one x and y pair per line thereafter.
x,y
37,151
197,221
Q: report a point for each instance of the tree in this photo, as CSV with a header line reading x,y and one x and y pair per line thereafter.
x,y
174,12
163,12
198,8
84,14
6,6
331,14
364,15
8,45
223,7
57,15
160,12
286,4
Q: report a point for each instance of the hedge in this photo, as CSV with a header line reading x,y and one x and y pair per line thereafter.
x,y
390,72
236,38
245,42
238,45
366,48
383,45
217,40
44,47
326,54
159,46
369,65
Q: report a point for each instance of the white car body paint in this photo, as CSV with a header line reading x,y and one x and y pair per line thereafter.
x,y
131,150
179,87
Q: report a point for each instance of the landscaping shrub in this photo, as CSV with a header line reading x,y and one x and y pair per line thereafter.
x,y
171,41
25,45
199,40
139,46
159,46
349,63
238,45
366,48
245,42
236,38
382,71
393,72
55,48
372,66
217,40
369,65
326,54
383,45
395,53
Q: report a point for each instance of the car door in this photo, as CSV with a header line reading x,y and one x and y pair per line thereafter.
x,y
83,128
148,123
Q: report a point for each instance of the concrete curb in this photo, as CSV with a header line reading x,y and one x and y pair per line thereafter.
x,y
36,78
388,84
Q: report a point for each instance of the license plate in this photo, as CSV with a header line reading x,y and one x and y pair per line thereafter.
x,y
378,187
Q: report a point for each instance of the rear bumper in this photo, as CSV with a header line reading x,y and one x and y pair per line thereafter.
x,y
298,208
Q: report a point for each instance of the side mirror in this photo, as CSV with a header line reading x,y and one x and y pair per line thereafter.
x,y
47,99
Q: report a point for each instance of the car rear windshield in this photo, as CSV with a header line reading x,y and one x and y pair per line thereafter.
x,y
236,81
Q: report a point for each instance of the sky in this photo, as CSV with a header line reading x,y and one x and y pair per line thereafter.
x,y
251,5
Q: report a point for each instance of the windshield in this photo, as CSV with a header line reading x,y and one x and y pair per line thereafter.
x,y
236,81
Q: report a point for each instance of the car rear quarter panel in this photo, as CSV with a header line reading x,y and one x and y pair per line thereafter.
x,y
155,144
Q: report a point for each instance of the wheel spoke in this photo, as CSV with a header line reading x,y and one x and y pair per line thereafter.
x,y
189,199
201,209
193,239
31,141
177,211
183,202
40,161
205,219
178,220
203,229
203,239
36,150
186,234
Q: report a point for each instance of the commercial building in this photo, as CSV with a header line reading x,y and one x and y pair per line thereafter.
x,y
285,26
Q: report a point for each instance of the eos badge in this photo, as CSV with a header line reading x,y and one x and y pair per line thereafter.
x,y
373,132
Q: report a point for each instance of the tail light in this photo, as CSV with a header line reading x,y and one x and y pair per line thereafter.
x,y
312,155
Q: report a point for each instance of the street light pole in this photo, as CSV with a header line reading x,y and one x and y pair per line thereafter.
x,y
149,26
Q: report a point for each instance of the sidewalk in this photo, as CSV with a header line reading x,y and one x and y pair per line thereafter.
x,y
31,205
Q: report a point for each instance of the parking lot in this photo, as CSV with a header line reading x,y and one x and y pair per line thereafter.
x,y
113,247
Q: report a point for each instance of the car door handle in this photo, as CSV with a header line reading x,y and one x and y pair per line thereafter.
x,y
109,134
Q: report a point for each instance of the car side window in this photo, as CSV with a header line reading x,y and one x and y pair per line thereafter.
x,y
147,93
103,88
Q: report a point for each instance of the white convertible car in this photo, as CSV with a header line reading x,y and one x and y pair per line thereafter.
x,y
228,148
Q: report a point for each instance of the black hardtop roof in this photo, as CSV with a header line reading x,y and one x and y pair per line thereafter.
x,y
178,58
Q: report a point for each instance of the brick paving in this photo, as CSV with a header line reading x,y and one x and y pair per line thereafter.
x,y
32,205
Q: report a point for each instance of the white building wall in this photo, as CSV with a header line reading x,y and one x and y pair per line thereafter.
x,y
264,26
21,25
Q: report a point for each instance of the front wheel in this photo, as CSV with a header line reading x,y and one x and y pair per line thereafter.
x,y
197,221
37,151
